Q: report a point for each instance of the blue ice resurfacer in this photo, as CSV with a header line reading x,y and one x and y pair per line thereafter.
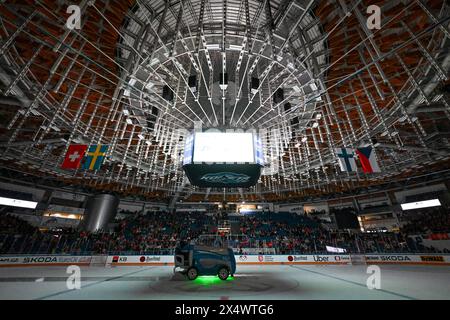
x,y
195,260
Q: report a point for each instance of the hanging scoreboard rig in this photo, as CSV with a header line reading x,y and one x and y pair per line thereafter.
x,y
223,159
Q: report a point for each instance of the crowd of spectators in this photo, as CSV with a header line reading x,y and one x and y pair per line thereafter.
x,y
158,232
309,235
426,221
10,224
139,233
285,231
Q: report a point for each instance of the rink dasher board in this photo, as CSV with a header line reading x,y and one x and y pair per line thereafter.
x,y
166,260
416,259
44,260
240,259
424,259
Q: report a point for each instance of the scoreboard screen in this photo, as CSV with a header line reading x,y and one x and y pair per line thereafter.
x,y
188,149
259,156
220,147
223,159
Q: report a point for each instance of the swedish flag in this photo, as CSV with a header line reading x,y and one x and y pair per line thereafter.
x,y
94,157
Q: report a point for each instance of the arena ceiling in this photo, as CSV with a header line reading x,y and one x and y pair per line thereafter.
x,y
344,86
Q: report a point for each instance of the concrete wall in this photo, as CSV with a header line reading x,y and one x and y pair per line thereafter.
x,y
317,207
37,193
401,195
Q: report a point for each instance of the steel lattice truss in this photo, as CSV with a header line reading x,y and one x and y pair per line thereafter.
x,y
344,86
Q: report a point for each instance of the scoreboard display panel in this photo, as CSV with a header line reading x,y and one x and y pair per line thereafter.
x,y
223,147
223,159
259,157
188,150
223,175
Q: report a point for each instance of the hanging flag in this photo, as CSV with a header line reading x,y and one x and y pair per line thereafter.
x,y
74,155
346,159
94,157
367,158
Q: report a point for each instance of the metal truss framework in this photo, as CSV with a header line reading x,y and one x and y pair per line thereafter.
x,y
344,86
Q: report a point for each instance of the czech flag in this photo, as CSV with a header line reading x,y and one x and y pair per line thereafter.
x,y
368,161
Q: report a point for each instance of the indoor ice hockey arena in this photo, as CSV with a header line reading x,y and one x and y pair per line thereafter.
x,y
224,150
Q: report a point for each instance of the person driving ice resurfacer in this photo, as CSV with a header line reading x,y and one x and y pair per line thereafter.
x,y
195,260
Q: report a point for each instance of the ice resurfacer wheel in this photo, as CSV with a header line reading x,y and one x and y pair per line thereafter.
x,y
223,273
192,273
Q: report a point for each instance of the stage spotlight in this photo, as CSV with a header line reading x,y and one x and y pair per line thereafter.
x,y
223,81
254,85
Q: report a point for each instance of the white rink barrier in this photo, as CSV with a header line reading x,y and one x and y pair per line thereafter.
x,y
44,260
240,259
140,260
292,259
417,259
165,260
338,259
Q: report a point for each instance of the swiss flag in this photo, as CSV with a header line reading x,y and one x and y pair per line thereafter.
x,y
73,156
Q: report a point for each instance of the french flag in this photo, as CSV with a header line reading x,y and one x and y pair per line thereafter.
x,y
368,161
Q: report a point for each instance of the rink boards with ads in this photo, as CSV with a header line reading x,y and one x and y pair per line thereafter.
x,y
44,260
168,260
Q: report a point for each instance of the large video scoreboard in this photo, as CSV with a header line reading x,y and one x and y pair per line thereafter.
x,y
223,159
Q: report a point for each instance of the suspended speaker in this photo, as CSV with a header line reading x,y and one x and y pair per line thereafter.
x,y
192,82
167,94
254,85
278,96
223,81
287,107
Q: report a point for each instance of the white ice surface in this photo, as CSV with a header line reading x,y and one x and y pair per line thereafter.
x,y
250,282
